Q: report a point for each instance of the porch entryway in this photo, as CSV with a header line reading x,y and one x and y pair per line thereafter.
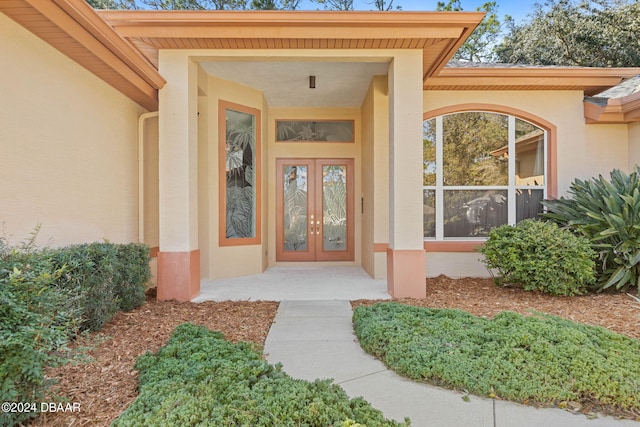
x,y
282,283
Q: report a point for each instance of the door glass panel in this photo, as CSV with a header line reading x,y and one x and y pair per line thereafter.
x,y
295,208
334,207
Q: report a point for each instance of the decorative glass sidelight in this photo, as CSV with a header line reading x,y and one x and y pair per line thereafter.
x,y
334,212
295,208
239,172
241,194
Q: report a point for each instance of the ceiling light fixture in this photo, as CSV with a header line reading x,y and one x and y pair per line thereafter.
x,y
312,82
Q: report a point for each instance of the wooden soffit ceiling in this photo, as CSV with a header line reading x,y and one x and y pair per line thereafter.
x,y
73,28
437,34
589,80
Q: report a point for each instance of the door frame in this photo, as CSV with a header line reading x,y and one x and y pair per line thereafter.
x,y
315,248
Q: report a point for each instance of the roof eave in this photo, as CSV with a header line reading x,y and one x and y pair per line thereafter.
x,y
617,110
589,80
89,41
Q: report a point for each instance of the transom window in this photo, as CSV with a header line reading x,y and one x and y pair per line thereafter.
x,y
481,170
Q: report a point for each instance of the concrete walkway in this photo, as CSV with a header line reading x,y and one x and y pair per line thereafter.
x,y
315,339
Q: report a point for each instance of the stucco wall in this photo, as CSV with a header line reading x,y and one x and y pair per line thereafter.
x,y
224,261
609,148
582,150
634,144
375,177
68,145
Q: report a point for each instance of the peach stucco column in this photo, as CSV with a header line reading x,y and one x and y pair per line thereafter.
x,y
405,255
179,257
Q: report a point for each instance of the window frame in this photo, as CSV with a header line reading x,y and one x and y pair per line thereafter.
x,y
223,240
447,244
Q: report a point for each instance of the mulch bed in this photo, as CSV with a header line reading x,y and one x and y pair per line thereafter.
x,y
481,297
106,385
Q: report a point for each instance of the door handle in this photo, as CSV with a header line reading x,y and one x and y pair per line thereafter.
x,y
311,224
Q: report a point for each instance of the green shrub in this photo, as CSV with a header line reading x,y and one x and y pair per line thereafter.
x,y
608,214
47,296
540,256
543,358
198,378
131,275
32,325
102,278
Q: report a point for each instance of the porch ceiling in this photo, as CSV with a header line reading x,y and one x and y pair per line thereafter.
x,y
339,84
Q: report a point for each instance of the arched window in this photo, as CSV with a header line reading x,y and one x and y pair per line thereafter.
x,y
482,169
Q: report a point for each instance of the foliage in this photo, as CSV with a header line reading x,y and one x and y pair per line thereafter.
x,y
198,378
540,256
102,279
196,4
608,214
543,358
335,4
587,33
479,46
32,326
47,296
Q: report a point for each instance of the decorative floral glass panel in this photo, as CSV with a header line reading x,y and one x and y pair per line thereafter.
x,y
334,195
295,208
314,131
240,174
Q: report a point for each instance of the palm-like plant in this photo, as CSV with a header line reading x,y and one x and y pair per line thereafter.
x,y
608,213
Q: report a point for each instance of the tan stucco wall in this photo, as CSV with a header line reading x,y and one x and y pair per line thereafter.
x,y
456,264
68,145
375,176
634,144
608,146
318,150
225,261
582,149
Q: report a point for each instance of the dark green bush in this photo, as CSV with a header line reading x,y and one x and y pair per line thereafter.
x,y
33,324
540,256
608,214
47,296
543,358
131,275
198,378
102,278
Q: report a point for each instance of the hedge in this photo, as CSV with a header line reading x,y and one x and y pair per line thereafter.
x,y
47,296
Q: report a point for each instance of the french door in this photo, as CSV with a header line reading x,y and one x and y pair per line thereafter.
x,y
314,218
